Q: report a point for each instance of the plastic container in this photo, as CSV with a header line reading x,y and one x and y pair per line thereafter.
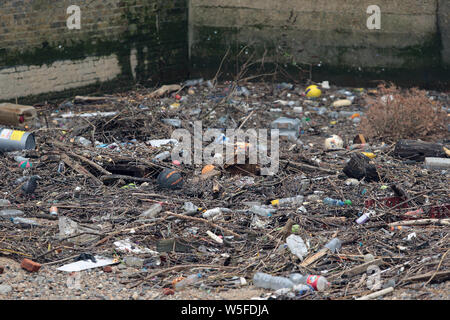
x,y
334,202
190,280
172,122
193,82
297,246
267,281
262,211
318,283
83,141
437,163
4,203
297,200
16,115
365,217
152,211
9,213
25,223
214,212
15,140
162,156
334,244
287,127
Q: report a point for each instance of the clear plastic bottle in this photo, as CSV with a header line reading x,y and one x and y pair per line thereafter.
x,y
318,283
162,156
193,278
24,222
83,141
437,163
214,212
267,281
334,244
9,213
262,211
152,211
297,200
334,202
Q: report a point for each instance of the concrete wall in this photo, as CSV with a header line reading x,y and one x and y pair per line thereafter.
x,y
414,34
120,42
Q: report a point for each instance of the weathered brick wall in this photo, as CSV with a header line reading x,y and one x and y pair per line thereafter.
x,y
332,34
120,42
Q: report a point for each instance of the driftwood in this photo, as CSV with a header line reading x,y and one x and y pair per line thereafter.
x,y
418,150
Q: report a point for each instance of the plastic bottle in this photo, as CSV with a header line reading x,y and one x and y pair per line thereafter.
x,y
162,156
193,278
262,211
287,127
334,202
172,122
194,82
61,167
152,211
334,244
83,141
189,207
24,222
297,200
8,213
365,217
437,163
318,283
4,203
297,246
134,262
266,281
214,212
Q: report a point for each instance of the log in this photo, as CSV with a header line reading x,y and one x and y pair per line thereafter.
x,y
418,150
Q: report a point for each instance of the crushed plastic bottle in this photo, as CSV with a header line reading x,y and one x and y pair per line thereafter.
x,y
152,211
190,280
297,246
267,281
189,207
333,245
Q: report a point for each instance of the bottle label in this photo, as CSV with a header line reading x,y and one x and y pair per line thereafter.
x,y
312,281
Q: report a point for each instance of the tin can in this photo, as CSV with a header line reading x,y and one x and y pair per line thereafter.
x,y
54,211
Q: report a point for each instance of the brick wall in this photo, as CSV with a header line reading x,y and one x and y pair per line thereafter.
x,y
330,35
120,42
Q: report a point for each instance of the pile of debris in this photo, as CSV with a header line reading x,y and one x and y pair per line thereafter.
x,y
99,182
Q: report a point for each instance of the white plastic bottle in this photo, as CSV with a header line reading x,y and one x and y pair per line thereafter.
x,y
266,281
297,246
